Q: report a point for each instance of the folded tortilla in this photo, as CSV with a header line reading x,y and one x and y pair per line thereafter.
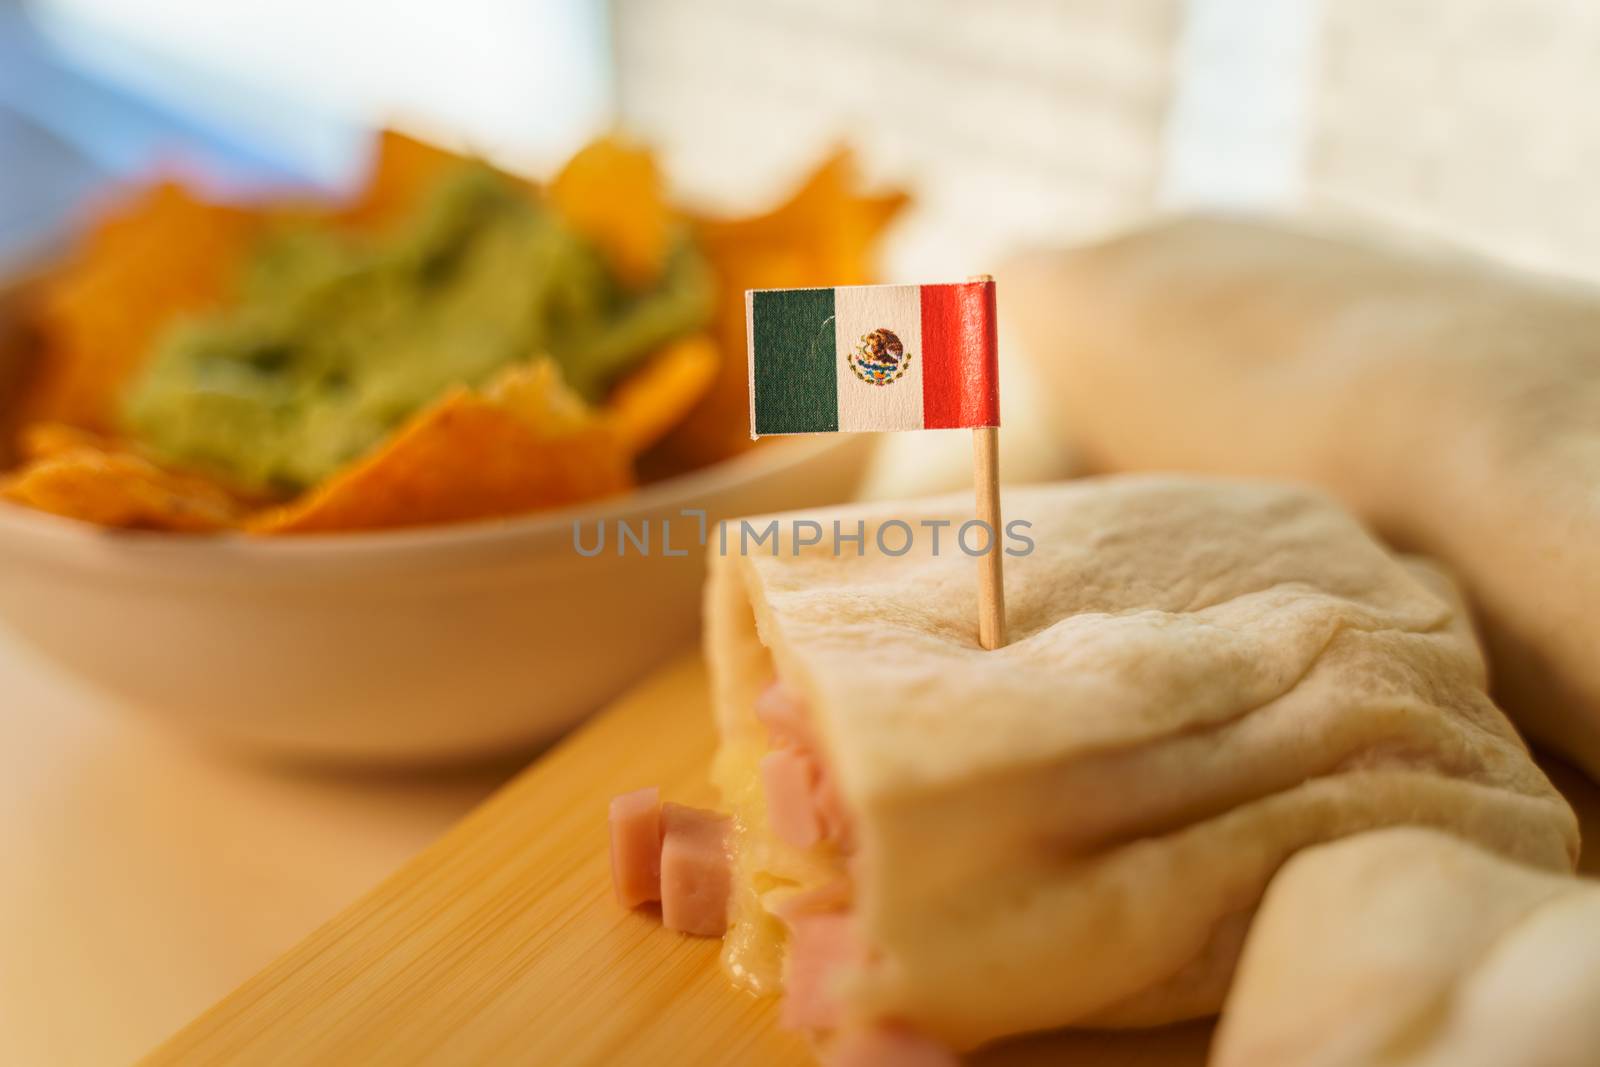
x,y
1453,405
1408,948
1203,677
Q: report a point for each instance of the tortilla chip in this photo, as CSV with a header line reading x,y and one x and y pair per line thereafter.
x,y
402,173
612,193
824,235
41,440
113,487
523,444
827,223
652,400
164,253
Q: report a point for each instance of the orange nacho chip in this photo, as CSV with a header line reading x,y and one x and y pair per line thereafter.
x,y
612,193
825,234
162,254
402,173
41,440
648,403
524,443
827,223
81,476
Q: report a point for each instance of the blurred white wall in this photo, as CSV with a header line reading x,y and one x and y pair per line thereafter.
x,y
1237,127
523,82
1476,120
1016,121
1022,121
1013,120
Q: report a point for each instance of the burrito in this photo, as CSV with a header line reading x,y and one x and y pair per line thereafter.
x,y
935,843
1408,948
1453,405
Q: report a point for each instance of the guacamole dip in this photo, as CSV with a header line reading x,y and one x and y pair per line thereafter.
x,y
335,340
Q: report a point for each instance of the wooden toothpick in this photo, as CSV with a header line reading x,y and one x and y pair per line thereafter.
x,y
991,575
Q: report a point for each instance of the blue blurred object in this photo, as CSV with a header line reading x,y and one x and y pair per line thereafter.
x,y
63,131
41,177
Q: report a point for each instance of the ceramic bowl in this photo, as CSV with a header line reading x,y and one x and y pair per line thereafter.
x,y
427,645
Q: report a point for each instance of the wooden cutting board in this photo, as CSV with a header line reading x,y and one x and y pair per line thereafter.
x,y
501,942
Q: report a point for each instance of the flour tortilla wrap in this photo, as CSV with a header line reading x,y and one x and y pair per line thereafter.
x,y
1453,405
1408,948
1203,677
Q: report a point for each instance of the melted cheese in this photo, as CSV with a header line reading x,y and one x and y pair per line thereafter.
x,y
764,868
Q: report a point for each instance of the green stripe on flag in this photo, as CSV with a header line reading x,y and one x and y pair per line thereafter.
x,y
792,346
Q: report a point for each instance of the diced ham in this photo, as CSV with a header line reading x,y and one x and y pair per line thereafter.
x,y
821,948
831,816
675,854
784,715
789,778
795,757
636,846
887,1046
696,871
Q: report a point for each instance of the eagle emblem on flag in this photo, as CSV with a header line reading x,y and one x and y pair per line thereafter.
x,y
880,358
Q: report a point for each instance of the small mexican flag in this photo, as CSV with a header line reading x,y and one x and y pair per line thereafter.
x,y
872,357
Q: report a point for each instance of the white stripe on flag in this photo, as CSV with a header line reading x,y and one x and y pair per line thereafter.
x,y
859,310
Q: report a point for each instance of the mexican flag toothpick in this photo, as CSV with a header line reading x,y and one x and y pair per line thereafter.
x,y
887,357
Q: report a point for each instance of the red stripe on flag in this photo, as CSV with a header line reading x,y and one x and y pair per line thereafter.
x,y
960,384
